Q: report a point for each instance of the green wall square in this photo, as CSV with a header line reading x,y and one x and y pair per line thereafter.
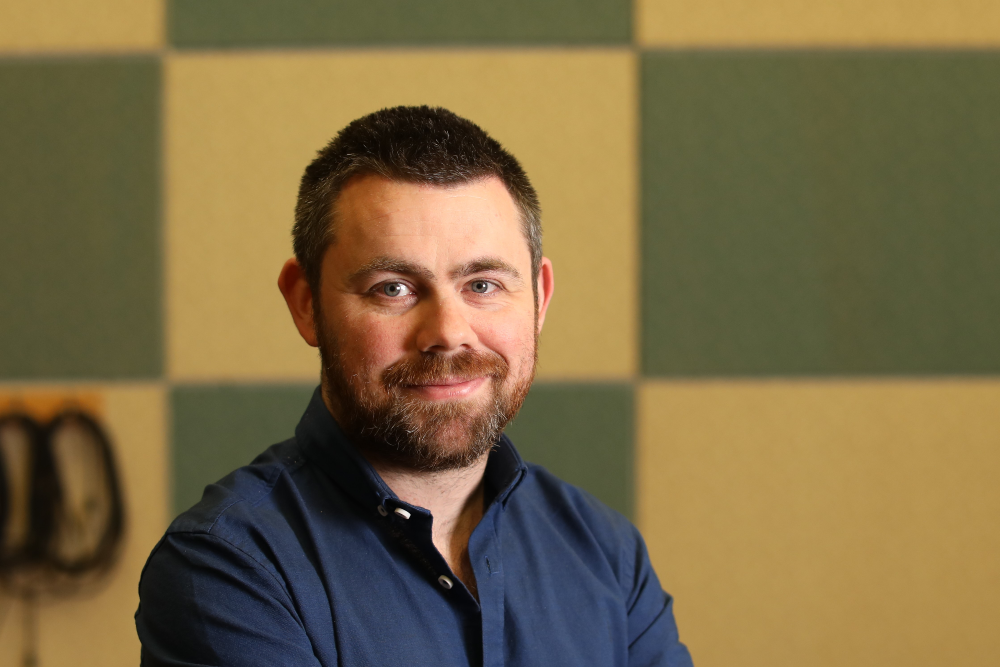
x,y
79,212
820,213
584,434
247,23
218,428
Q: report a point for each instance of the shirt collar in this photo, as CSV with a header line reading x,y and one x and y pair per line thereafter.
x,y
326,445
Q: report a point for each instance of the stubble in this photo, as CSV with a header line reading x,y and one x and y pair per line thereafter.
x,y
387,420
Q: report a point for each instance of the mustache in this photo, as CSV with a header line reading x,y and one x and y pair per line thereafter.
x,y
432,368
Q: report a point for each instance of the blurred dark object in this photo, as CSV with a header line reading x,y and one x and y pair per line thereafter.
x,y
61,512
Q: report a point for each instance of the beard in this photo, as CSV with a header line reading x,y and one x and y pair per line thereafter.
x,y
388,422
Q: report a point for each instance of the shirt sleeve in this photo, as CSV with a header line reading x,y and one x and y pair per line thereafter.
x,y
653,638
202,601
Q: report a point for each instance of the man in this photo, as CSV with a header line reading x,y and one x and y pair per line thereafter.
x,y
399,526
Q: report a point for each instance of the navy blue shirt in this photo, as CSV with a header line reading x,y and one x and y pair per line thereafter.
x,y
306,557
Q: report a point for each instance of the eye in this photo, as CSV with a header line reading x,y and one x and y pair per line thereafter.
x,y
481,286
396,289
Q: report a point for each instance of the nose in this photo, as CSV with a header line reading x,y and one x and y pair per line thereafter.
x,y
443,326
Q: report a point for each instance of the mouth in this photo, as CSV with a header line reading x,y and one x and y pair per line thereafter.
x,y
447,388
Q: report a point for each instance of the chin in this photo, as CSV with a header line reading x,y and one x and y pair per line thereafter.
x,y
453,438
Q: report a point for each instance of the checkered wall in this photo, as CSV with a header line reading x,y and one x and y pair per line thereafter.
x,y
776,233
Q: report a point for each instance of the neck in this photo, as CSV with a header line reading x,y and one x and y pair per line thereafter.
x,y
453,497
455,500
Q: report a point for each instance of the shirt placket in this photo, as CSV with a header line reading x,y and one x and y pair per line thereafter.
x,y
484,553
411,525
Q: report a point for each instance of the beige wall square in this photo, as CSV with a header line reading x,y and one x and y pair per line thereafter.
x,y
97,629
817,22
826,523
242,127
75,25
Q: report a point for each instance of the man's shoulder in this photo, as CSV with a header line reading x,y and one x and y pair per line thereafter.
x,y
240,495
557,493
570,510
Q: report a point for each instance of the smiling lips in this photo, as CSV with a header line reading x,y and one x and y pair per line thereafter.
x,y
445,389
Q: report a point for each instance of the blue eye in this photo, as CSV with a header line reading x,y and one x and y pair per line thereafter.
x,y
393,289
480,286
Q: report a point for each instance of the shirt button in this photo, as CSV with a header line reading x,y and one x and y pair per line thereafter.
x,y
403,513
382,511
445,582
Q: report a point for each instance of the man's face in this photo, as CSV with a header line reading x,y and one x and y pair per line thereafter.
x,y
426,319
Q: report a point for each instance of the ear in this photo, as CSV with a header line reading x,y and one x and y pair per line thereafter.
x,y
299,297
546,282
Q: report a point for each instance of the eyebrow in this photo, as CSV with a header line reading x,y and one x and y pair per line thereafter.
x,y
390,265
486,265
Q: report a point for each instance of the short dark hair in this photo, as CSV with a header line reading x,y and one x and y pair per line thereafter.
x,y
410,144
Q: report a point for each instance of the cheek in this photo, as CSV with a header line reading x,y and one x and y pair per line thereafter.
x,y
370,342
511,338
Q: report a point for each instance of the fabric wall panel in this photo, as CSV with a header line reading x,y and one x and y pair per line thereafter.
x,y
820,213
839,23
79,201
243,23
241,128
70,25
218,428
825,522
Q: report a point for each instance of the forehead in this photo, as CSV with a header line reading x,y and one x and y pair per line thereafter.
x,y
430,224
